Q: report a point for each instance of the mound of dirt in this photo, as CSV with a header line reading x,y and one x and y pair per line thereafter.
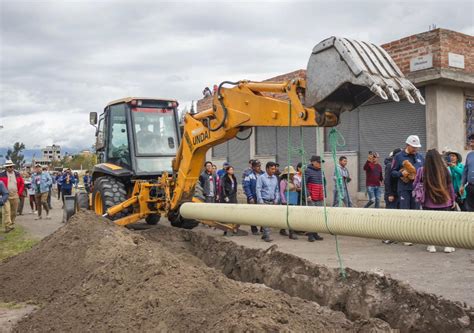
x,y
94,276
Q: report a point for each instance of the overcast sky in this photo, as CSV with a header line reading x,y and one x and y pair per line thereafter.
x,y
62,59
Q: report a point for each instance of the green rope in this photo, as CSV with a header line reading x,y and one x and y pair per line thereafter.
x,y
333,143
335,140
287,174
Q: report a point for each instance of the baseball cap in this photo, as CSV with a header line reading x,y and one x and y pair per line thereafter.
x,y
316,158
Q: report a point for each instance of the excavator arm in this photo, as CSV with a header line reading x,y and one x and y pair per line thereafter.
x,y
233,110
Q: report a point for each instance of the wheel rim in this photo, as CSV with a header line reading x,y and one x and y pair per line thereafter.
x,y
98,205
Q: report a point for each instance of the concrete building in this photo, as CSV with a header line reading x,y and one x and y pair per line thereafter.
x,y
439,62
51,153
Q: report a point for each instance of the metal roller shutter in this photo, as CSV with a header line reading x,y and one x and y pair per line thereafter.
x,y
348,127
282,146
265,138
385,126
220,151
239,155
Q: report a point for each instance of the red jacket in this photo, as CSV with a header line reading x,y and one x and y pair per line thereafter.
x,y
374,174
20,183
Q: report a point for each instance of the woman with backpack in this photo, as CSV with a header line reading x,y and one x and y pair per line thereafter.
x,y
433,188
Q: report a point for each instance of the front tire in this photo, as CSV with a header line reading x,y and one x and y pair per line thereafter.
x,y
108,192
178,221
152,219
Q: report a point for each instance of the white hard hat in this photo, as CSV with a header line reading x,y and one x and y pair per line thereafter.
x,y
414,141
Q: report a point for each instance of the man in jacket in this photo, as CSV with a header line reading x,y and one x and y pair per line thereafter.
x,y
208,181
390,183
373,179
67,182
346,178
87,179
15,185
268,192
316,188
404,167
249,184
41,182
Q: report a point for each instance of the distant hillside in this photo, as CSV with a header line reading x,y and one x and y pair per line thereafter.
x,y
29,153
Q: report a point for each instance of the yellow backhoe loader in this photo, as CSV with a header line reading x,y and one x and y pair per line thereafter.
x,y
150,167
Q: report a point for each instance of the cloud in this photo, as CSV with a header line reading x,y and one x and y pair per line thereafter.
x,y
61,60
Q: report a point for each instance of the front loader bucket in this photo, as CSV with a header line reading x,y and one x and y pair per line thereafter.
x,y
344,73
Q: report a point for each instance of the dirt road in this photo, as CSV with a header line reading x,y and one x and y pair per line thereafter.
x,y
91,275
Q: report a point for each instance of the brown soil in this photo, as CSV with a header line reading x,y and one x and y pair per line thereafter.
x,y
93,276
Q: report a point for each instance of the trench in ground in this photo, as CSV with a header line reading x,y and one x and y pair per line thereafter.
x,y
361,295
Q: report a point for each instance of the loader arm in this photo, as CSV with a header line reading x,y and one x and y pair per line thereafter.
x,y
233,110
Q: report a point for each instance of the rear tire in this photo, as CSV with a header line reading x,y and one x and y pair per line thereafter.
x,y
82,200
108,192
153,219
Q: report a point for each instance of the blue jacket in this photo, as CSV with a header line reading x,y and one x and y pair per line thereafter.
x,y
3,194
416,160
249,183
58,179
87,180
67,185
41,182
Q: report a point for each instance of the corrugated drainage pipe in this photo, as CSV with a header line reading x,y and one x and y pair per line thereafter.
x,y
441,228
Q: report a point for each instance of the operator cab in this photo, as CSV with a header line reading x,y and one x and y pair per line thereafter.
x,y
138,136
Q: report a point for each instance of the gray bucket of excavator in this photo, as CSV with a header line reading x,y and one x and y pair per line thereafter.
x,y
344,73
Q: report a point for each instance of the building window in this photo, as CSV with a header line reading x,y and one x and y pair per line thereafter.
x,y
469,108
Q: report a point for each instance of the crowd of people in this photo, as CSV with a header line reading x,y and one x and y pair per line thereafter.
x,y
37,187
436,181
408,180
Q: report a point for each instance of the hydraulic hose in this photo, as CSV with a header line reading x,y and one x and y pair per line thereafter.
x,y
224,108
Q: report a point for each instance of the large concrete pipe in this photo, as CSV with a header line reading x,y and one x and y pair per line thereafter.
x,y
442,228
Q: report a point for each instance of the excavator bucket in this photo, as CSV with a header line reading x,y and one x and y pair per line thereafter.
x,y
344,73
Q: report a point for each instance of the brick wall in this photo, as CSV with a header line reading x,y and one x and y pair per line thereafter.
x,y
439,42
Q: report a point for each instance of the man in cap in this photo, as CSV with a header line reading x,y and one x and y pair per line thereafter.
x,y
41,182
15,185
467,181
315,188
249,184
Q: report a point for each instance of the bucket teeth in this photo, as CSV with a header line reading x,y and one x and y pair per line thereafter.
x,y
376,89
393,94
420,98
408,96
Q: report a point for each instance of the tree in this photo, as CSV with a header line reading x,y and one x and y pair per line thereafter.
x,y
15,155
83,161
